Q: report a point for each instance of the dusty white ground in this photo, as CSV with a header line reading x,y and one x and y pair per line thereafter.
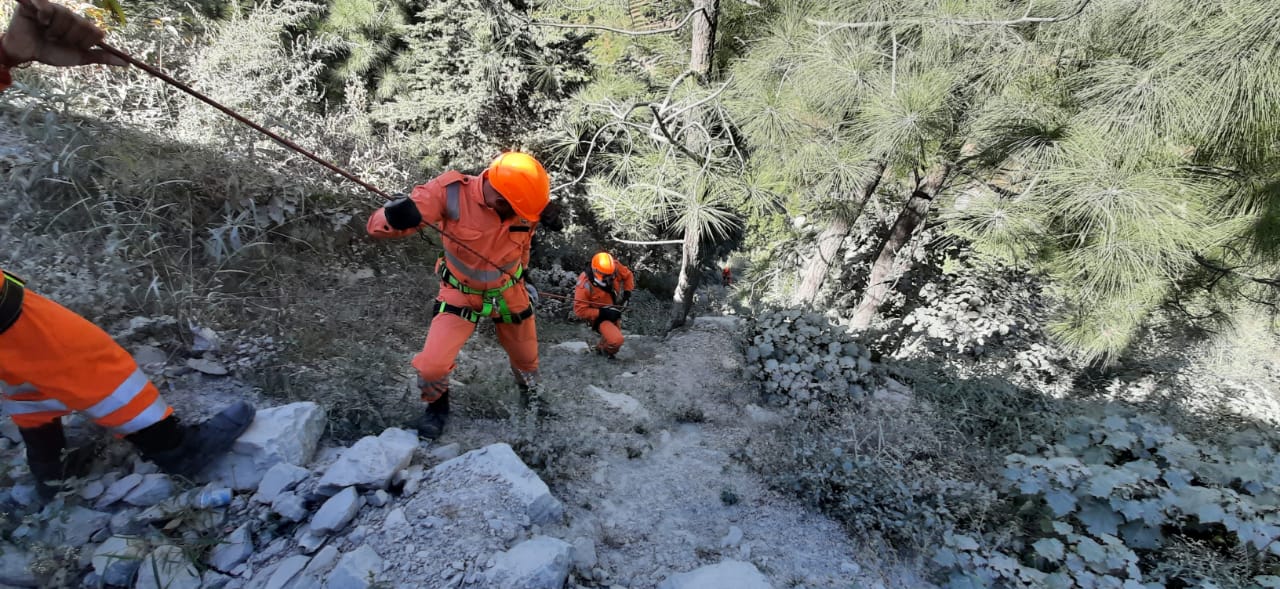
x,y
655,483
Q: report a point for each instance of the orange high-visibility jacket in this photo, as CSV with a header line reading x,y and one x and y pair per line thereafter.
x,y
53,362
587,292
454,202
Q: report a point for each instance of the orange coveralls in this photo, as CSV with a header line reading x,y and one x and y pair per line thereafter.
x,y
53,362
588,297
454,202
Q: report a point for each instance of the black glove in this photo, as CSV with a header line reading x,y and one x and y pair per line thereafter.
x,y
626,296
402,213
606,314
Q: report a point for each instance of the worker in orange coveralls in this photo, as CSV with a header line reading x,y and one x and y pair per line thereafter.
x,y
485,220
602,291
52,361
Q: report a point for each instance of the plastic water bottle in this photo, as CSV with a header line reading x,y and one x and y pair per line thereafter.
x,y
208,498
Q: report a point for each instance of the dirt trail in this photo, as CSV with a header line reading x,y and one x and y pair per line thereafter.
x,y
651,476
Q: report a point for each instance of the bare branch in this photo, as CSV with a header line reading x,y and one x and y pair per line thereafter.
x,y
1203,261
591,148
704,100
663,242
1025,19
662,126
670,29
838,26
671,90
893,76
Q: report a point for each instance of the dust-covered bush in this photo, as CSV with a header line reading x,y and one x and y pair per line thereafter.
x,y
900,496
1117,502
856,445
805,361
983,317
193,203
970,309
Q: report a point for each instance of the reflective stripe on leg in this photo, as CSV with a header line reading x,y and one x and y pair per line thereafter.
x,y
138,411
120,397
151,415
15,408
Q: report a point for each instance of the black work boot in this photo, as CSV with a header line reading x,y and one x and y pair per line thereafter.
x,y
431,424
185,450
532,401
599,350
49,460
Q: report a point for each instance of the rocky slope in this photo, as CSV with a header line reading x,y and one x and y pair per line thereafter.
x,y
641,489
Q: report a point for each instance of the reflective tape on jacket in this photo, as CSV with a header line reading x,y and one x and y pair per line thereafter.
x,y
124,394
476,237
452,194
13,407
153,414
473,275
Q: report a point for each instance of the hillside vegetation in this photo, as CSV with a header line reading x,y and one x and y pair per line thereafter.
x,y
1007,270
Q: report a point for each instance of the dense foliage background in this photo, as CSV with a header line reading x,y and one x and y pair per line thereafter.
x,y
1027,210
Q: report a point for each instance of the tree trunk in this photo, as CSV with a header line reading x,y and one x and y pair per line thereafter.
x,y
913,214
830,240
690,276
702,61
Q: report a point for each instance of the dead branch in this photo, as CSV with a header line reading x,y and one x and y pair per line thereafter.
x,y
1025,19
670,29
662,242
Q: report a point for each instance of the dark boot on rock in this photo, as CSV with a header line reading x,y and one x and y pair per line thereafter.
x,y
533,401
431,424
185,450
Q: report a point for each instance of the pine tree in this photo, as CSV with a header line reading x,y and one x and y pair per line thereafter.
x,y
370,31
475,78
663,149
1146,156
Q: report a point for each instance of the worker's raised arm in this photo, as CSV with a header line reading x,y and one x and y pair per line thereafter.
x,y
405,216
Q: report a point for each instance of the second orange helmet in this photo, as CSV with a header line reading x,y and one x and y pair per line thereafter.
x,y
603,264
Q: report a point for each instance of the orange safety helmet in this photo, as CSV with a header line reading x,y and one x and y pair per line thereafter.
x,y
523,182
603,265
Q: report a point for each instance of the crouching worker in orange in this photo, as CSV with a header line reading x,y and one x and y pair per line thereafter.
x,y
602,291
486,224
52,361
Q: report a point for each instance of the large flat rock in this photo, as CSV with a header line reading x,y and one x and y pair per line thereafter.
x,y
541,562
372,461
727,574
499,465
288,434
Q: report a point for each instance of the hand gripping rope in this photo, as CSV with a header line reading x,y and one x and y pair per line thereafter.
x,y
299,149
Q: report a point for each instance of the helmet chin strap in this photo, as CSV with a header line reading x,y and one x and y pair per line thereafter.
x,y
600,282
